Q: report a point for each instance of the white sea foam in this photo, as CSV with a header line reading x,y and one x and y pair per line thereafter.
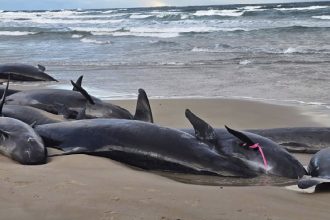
x,y
16,33
323,17
173,29
148,31
139,16
253,8
77,36
146,34
62,21
290,50
94,30
207,50
302,8
212,12
107,12
93,41
245,62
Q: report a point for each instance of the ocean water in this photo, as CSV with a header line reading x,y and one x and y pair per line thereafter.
x,y
272,52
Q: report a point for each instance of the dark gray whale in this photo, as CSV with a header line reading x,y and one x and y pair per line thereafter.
x,y
294,139
142,144
23,72
79,105
298,139
9,91
318,170
19,141
31,115
234,143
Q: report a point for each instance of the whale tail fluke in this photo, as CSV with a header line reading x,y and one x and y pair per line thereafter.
x,y
143,110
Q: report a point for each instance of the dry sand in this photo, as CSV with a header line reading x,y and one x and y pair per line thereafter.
x,y
87,187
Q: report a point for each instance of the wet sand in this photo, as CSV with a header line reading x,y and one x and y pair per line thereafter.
x,y
87,187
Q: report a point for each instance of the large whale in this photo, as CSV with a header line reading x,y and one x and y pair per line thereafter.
x,y
151,146
23,72
78,104
31,115
294,139
259,152
298,139
318,170
19,141
142,144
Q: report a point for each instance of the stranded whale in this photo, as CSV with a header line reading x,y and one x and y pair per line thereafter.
x,y
19,141
141,144
258,152
23,72
318,170
79,105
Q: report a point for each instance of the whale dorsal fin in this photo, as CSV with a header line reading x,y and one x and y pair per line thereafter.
x,y
41,67
143,109
203,131
240,136
3,99
78,82
83,92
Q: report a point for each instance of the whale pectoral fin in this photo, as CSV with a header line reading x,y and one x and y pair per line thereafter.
x,y
81,114
143,110
307,181
240,136
78,82
76,150
203,131
41,68
83,92
65,111
47,108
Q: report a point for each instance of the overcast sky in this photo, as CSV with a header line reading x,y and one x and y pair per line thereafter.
x,y
64,4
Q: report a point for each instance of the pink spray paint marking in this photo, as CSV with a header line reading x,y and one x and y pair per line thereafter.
x,y
261,152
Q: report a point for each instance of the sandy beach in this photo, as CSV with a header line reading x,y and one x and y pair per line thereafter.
x,y
87,187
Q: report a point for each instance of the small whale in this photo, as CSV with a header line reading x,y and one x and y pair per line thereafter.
x,y
19,141
79,104
259,153
318,171
298,139
24,72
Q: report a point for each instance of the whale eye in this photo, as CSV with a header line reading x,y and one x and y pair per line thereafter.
x,y
30,140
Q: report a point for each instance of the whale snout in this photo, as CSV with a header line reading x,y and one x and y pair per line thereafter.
x,y
32,152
